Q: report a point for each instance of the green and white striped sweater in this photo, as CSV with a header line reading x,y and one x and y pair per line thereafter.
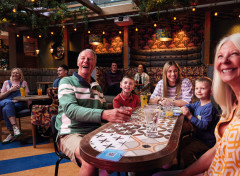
x,y
80,105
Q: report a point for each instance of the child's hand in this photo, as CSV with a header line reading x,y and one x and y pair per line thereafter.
x,y
186,112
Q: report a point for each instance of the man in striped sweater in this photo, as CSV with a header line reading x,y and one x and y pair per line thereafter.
x,y
81,110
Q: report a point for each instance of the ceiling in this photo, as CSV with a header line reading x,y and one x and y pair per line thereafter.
x,y
106,10
101,13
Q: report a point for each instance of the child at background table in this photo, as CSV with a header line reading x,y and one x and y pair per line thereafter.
x,y
126,97
204,117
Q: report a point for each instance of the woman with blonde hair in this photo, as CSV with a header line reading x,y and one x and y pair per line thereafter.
x,y
11,89
223,158
172,88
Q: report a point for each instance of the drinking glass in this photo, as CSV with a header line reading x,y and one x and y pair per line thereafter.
x,y
151,117
39,90
129,109
22,91
143,99
169,109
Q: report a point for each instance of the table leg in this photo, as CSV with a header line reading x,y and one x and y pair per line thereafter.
x,y
34,135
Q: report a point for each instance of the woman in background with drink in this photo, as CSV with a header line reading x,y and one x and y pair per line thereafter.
x,y
172,88
11,89
142,80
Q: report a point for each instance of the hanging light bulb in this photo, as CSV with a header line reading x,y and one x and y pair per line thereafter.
x,y
155,25
120,32
89,31
136,29
193,9
37,51
14,10
174,18
52,33
63,27
75,29
17,35
103,32
39,35
215,14
28,37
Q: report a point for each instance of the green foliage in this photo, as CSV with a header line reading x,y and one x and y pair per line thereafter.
x,y
145,6
31,14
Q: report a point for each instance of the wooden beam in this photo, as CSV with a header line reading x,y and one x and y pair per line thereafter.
x,y
66,46
207,36
125,47
91,6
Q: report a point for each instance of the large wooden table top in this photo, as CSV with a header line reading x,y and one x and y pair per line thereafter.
x,y
142,153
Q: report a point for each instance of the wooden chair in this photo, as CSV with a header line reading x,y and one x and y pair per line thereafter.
x,y
42,114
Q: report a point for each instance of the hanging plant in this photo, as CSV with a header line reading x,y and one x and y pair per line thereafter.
x,y
146,6
40,14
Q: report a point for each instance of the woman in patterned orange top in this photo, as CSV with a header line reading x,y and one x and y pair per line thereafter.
x,y
224,157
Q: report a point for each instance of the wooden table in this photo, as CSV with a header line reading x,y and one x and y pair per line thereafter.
x,y
142,153
32,97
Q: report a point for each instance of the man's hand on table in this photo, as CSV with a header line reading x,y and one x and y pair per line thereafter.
x,y
116,115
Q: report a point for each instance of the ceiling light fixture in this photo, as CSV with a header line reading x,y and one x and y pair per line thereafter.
x,y
95,39
163,35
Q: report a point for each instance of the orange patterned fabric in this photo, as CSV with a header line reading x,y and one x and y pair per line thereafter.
x,y
227,158
41,114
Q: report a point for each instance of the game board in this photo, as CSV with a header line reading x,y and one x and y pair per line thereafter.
x,y
131,136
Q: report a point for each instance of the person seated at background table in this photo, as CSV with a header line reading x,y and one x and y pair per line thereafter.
x,y
204,117
11,89
113,78
142,80
62,72
126,97
82,109
223,157
172,88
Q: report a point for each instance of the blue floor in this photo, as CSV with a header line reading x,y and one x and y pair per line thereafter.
x,y
30,162
26,163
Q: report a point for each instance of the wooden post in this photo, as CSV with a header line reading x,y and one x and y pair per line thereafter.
x,y
66,46
125,47
207,29
12,49
136,40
